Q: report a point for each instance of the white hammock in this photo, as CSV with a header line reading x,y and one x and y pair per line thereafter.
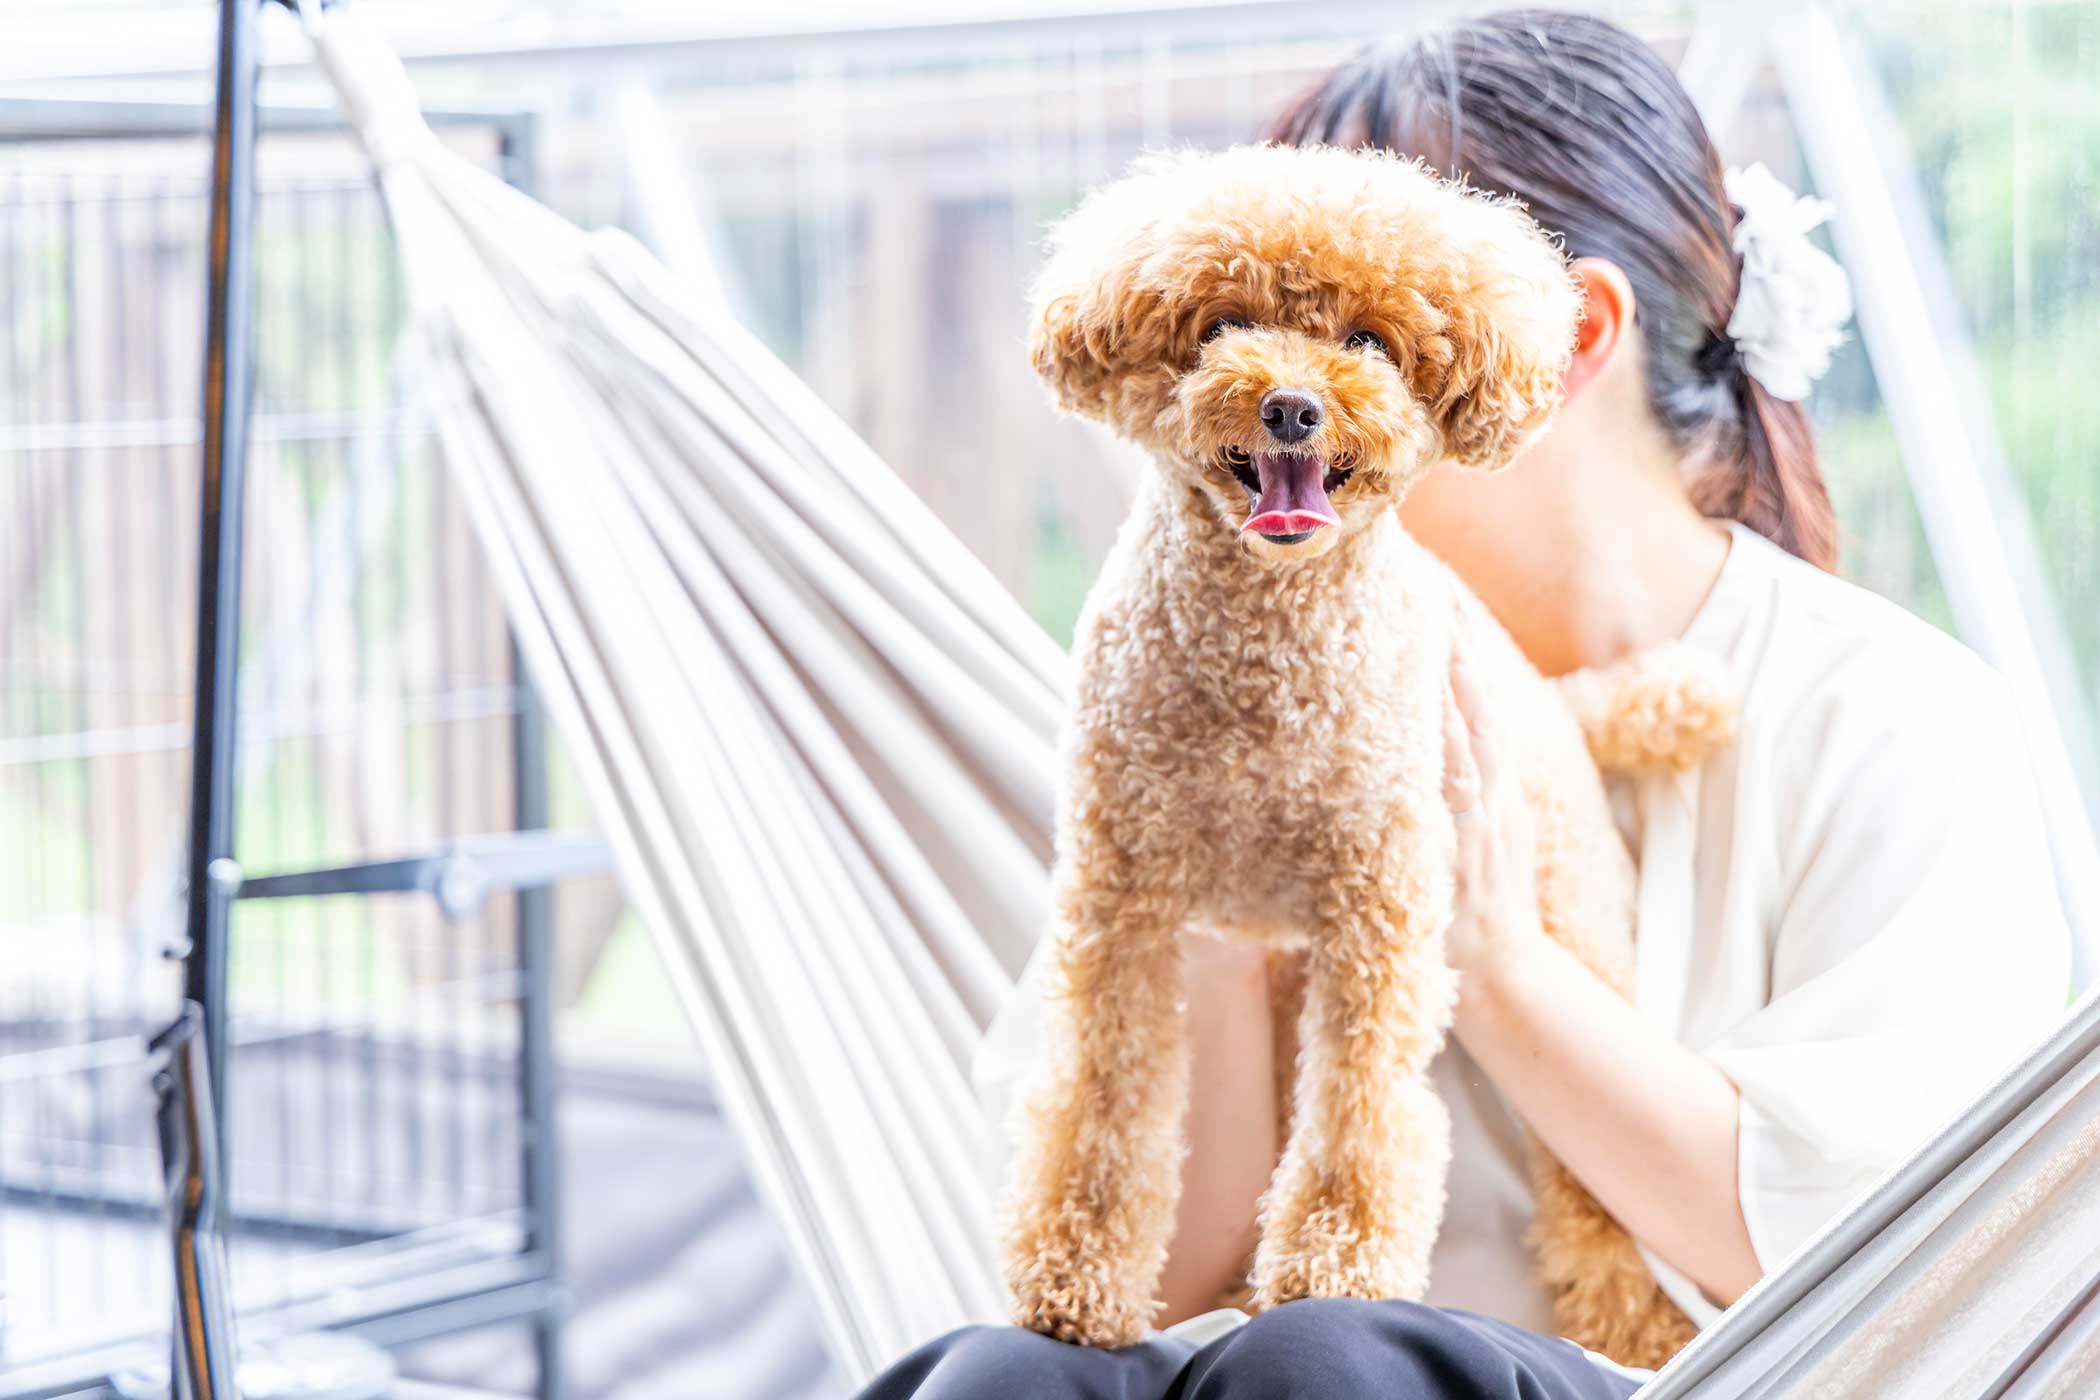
x,y
818,735
816,731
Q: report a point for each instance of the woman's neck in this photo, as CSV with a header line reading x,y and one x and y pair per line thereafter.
x,y
1599,591
1581,586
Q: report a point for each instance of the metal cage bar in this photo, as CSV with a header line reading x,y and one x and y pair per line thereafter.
x,y
228,369
540,1171
213,873
429,1287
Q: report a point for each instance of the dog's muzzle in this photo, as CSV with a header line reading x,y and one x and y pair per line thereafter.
x,y
1291,501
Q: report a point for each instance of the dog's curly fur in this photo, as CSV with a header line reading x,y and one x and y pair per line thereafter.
x,y
1255,743
1661,711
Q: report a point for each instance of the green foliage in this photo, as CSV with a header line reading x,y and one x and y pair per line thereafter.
x,y
1063,573
43,821
627,997
1999,106
2048,417
1881,541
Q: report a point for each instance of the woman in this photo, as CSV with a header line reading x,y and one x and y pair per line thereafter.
x,y
1847,921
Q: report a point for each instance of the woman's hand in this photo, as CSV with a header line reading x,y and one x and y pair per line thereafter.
x,y
1647,1125
1496,919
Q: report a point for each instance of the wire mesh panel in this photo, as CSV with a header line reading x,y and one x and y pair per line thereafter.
x,y
375,1102
96,469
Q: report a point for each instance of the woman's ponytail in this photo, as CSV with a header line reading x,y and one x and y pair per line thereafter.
x,y
1771,480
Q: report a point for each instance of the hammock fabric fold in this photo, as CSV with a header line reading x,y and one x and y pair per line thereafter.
x,y
816,730
819,737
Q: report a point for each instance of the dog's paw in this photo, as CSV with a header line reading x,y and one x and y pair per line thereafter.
x,y
1065,1285
1074,1307
1289,1277
1330,1254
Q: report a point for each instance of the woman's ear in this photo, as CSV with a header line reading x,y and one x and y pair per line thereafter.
x,y
1607,319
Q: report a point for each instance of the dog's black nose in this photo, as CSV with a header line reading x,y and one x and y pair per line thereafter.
x,y
1291,415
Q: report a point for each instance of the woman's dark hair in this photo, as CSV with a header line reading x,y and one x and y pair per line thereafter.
x,y
1592,131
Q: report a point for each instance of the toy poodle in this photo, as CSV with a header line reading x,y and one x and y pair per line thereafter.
x,y
1255,742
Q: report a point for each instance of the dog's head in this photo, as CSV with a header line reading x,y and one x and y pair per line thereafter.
x,y
1300,333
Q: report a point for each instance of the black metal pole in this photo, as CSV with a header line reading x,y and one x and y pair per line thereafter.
x,y
541,1167
204,1355
228,380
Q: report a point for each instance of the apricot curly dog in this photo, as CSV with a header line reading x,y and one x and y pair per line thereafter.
x,y
1256,739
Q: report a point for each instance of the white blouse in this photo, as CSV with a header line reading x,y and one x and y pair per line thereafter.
x,y
1850,912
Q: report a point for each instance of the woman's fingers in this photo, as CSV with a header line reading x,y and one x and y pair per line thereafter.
x,y
1461,773
1473,707
1495,902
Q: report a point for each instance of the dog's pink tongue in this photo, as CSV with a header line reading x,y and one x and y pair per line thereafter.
x,y
1293,495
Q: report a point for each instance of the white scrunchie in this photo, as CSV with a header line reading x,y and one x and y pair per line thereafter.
x,y
1793,300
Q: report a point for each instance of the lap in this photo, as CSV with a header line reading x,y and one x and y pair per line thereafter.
x,y
1319,1348
1012,1363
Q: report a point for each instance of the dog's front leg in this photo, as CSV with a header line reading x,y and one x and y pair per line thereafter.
x,y
1354,1207
1098,1173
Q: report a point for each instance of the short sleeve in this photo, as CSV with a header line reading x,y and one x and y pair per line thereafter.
x,y
1918,944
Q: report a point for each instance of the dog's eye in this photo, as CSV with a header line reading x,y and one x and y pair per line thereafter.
x,y
1222,325
1368,340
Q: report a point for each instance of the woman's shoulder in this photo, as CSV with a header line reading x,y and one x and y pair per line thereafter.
x,y
1808,648
1856,714
1886,762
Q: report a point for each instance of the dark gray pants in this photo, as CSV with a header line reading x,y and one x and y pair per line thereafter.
x,y
1323,1349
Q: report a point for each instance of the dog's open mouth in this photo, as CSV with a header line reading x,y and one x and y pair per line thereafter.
x,y
1288,492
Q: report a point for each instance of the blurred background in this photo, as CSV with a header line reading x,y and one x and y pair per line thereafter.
x,y
866,182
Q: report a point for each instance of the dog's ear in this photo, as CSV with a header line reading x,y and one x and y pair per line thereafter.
x,y
1495,372
1100,322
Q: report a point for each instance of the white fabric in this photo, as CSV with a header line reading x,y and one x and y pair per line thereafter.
x,y
818,736
816,732
1850,912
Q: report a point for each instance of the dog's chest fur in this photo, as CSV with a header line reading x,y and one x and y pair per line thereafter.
x,y
1257,732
